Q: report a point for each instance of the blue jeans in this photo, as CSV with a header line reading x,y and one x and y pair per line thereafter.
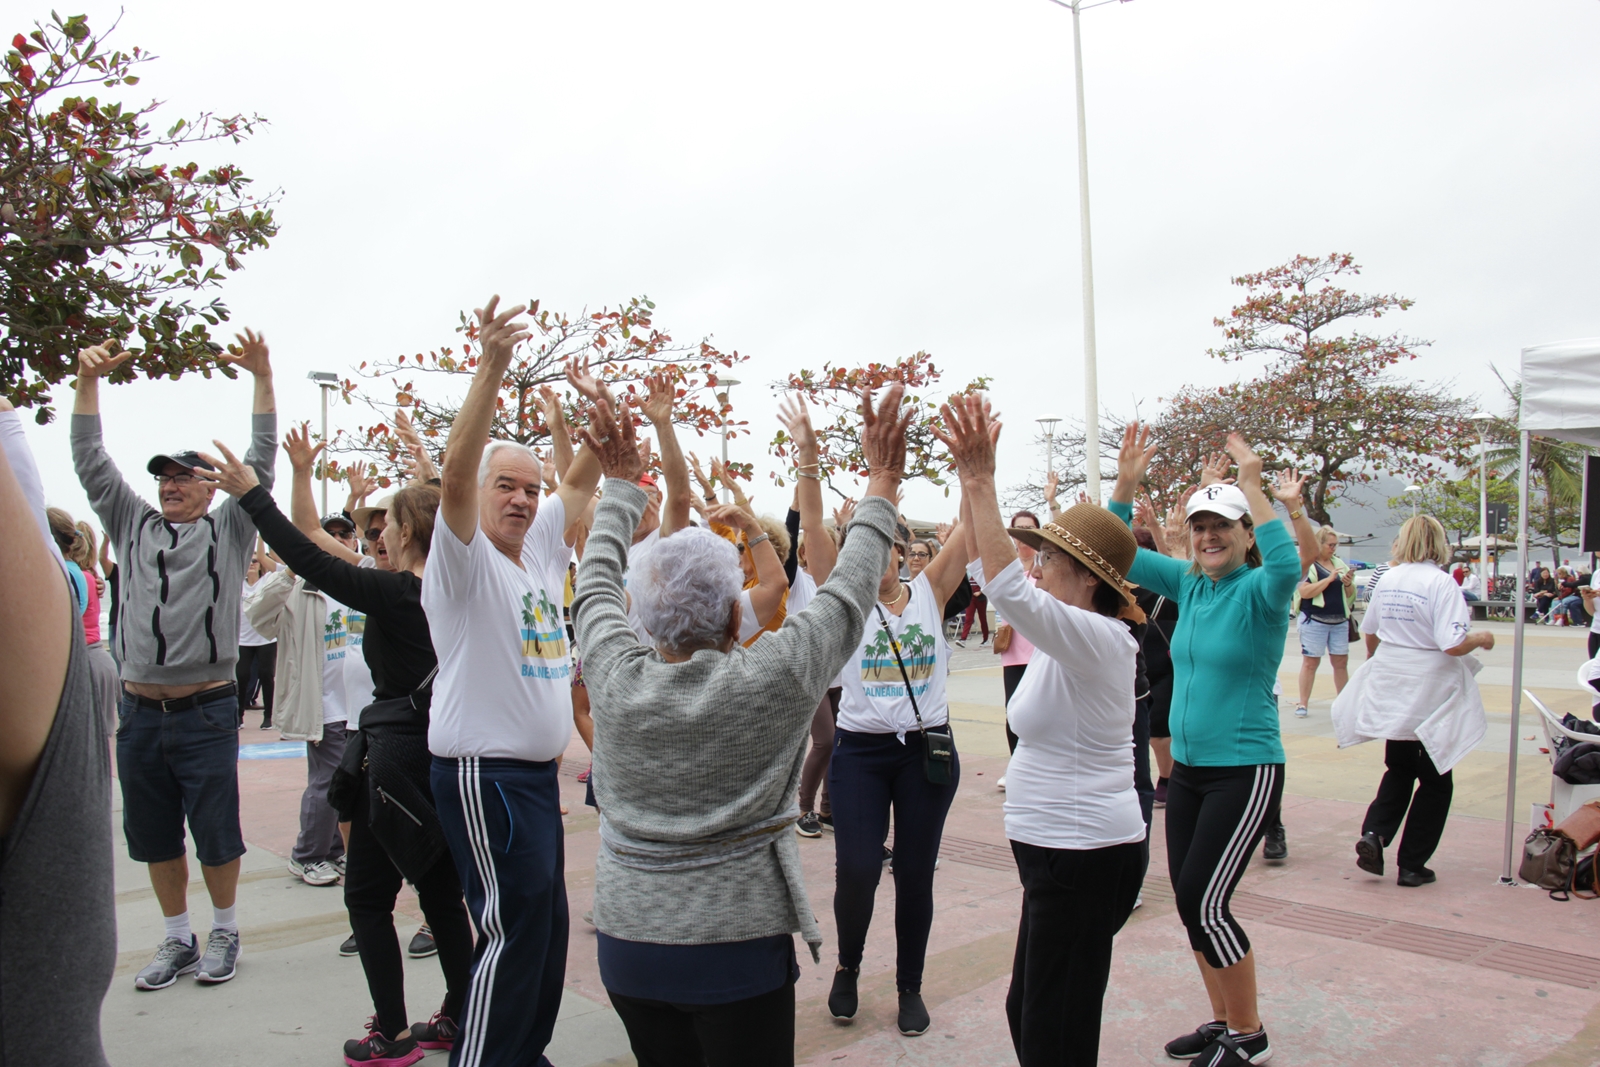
x,y
177,764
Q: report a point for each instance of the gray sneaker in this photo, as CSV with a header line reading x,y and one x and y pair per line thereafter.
x,y
222,956
172,959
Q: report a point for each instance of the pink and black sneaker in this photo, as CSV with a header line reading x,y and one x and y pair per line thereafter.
x,y
375,1050
440,1031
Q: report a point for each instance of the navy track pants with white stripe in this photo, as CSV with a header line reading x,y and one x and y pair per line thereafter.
x,y
1215,818
502,819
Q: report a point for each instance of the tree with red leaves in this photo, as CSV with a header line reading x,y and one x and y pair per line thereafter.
x,y
837,392
1327,401
622,345
104,229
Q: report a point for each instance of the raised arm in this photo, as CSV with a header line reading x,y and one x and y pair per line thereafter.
x,y
15,445
583,476
770,583
36,634
561,452
360,487
1288,489
423,468
600,602
821,553
971,433
498,336
252,356
302,506
113,499
657,407
1132,461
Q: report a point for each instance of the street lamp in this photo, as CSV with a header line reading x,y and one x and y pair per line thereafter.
x,y
1091,382
1483,418
1048,426
1415,501
327,381
724,386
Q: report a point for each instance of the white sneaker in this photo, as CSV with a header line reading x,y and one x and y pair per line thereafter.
x,y
317,872
1138,902
1300,711
1000,783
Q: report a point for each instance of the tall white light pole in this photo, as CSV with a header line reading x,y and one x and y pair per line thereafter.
x,y
1048,426
328,381
1091,381
1411,490
1483,418
724,387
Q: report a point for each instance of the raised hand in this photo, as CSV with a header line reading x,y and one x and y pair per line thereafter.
x,y
1215,469
1052,486
707,486
796,418
610,437
970,434
660,396
1145,515
1288,487
734,517
231,476
1133,459
581,379
97,361
250,354
547,471
1249,463
844,513
498,334
883,435
943,531
297,445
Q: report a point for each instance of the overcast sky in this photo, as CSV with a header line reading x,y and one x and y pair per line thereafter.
x,y
855,181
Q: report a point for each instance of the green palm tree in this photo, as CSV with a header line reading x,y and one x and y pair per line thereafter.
x,y
1556,468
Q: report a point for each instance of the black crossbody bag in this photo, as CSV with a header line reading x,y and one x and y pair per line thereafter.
x,y
349,778
938,749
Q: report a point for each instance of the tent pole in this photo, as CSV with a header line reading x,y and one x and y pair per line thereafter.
x,y
1516,662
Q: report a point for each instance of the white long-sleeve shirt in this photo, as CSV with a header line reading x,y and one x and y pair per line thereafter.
x,y
1070,782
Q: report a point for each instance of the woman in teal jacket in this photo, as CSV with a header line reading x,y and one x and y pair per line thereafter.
x,y
1227,772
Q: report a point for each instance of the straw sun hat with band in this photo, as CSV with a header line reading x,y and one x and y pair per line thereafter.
x,y
1095,538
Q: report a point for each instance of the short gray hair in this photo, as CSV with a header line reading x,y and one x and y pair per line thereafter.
x,y
686,587
499,446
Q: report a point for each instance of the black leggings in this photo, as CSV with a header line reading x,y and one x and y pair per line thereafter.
x,y
1010,677
758,1032
1073,902
1408,764
371,885
871,773
264,658
1215,818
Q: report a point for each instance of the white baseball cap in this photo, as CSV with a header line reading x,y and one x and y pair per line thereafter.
x,y
1220,499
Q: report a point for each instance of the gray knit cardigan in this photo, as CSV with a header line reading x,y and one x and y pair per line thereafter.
x,y
696,752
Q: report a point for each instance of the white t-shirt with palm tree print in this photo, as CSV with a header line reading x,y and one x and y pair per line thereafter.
x,y
504,687
874,700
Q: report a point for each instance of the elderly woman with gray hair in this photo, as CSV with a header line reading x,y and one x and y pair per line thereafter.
x,y
698,750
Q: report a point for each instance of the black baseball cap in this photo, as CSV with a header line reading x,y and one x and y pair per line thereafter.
x,y
330,522
187,460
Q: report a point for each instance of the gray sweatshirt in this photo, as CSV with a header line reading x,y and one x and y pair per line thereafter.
x,y
180,583
690,756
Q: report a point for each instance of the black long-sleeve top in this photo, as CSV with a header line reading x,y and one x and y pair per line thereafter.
x,y
398,647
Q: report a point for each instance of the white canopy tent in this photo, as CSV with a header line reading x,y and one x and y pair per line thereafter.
x,y
1560,399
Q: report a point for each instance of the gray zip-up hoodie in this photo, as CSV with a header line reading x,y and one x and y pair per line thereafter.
x,y
180,583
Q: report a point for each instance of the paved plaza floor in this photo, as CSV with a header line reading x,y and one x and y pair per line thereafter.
x,y
1353,969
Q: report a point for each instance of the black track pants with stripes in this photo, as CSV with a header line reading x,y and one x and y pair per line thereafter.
x,y
1215,818
502,819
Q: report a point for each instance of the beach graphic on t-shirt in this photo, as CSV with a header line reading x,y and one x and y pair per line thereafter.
x,y
544,638
355,628
880,673
334,635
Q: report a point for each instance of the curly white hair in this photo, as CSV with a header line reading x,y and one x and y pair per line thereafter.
x,y
686,587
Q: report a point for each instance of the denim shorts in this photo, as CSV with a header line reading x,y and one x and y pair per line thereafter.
x,y
177,764
1324,638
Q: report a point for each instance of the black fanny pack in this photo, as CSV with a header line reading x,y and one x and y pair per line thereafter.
x,y
400,713
938,746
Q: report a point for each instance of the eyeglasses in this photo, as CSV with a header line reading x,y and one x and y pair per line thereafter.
x,y
175,479
922,555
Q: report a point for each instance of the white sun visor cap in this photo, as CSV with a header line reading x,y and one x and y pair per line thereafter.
x,y
1225,500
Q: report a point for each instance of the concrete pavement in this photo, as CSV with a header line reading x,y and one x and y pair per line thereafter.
x,y
1353,968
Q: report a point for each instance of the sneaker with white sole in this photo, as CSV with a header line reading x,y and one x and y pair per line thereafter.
x,y
1300,711
1192,1044
348,947
317,872
809,825
1000,783
1236,1050
221,960
422,944
172,958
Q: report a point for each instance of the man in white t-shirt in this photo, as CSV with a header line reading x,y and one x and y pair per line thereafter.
x,y
502,706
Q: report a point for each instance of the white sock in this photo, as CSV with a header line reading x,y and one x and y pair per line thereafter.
x,y
178,927
1257,1032
223,919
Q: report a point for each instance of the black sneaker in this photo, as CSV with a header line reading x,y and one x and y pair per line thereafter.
x,y
1189,1046
1412,879
1276,845
440,1031
375,1050
888,858
348,946
422,944
826,819
1369,853
842,999
914,1019
1236,1050
810,825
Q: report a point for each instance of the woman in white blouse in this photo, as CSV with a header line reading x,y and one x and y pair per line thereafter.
x,y
1416,691
1071,811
